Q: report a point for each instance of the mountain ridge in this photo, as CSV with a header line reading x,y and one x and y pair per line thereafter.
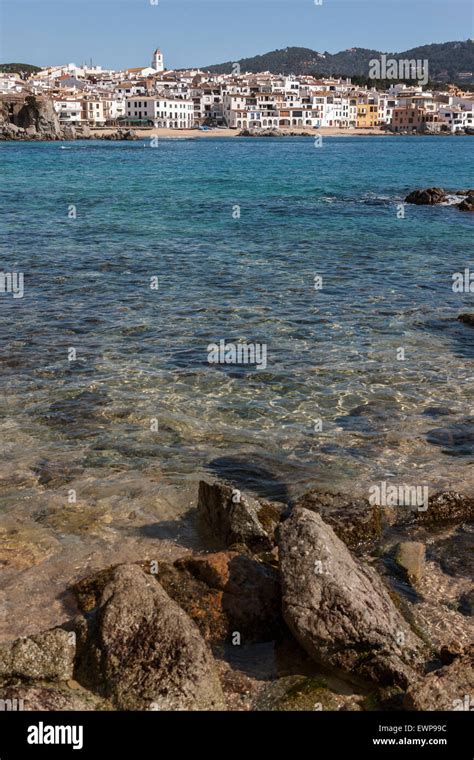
x,y
446,60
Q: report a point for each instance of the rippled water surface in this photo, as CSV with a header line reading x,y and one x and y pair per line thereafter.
x,y
332,354
168,212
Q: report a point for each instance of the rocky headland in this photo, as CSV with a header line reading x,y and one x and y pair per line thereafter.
x,y
34,118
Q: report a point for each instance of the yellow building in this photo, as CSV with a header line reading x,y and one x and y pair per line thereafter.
x,y
367,115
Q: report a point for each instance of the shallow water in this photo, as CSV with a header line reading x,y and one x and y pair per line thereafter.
x,y
168,212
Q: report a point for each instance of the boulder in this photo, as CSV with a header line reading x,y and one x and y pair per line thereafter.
x,y
143,652
226,593
53,698
223,592
338,608
467,204
449,688
468,319
410,557
53,474
446,507
120,134
83,131
354,520
48,656
39,112
429,196
466,603
68,132
237,519
11,132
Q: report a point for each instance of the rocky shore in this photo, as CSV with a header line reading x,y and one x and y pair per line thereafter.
x,y
432,196
36,119
349,601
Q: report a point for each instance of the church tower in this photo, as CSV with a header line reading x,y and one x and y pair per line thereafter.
x,y
157,60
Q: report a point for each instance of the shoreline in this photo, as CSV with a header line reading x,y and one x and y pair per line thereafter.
x,y
181,134
111,134
285,132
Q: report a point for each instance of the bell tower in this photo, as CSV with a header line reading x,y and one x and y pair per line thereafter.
x,y
157,60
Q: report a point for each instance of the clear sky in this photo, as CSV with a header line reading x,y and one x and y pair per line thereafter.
x,y
124,33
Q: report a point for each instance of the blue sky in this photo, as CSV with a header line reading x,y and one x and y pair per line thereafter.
x,y
123,33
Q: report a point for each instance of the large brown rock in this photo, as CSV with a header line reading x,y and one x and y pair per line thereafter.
x,y
354,520
226,593
39,112
449,688
338,608
446,507
143,652
429,196
237,519
467,204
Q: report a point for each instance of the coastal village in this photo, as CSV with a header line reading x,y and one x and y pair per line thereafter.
x,y
91,98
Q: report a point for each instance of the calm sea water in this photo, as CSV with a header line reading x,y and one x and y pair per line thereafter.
x,y
169,212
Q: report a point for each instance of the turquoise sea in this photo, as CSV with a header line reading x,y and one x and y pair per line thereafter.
x,y
100,456
236,230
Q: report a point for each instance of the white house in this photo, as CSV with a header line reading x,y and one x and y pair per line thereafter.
x,y
69,111
93,111
457,118
174,113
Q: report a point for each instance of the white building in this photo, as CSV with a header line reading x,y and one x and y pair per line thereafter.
x,y
93,112
10,83
457,118
69,111
173,113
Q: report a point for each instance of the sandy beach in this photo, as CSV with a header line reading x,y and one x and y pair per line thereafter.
x,y
225,132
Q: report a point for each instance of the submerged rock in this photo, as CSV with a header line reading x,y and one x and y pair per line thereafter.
x,y
468,319
303,693
53,474
143,652
446,507
354,520
466,604
449,688
338,608
48,656
410,556
237,519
